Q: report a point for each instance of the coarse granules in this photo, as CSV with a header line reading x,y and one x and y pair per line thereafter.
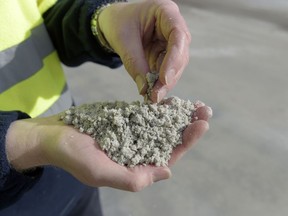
x,y
151,79
136,133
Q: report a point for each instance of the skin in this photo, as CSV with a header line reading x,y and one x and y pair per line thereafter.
x,y
150,35
139,33
48,141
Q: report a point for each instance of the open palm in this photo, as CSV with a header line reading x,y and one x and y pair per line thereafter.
x,y
80,155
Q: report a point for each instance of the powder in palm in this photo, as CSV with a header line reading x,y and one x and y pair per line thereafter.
x,y
136,133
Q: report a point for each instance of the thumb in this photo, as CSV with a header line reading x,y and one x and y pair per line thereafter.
x,y
190,136
133,58
124,37
136,178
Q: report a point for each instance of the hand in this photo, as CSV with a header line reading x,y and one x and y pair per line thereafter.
x,y
47,141
148,36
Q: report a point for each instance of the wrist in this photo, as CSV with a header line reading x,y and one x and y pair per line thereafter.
x,y
97,24
97,32
22,149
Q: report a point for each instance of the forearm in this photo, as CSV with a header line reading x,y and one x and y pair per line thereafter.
x,y
22,146
13,183
6,120
68,23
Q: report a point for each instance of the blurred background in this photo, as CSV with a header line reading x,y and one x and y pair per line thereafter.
x,y
239,67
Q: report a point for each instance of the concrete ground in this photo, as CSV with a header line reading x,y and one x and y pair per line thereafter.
x,y
239,67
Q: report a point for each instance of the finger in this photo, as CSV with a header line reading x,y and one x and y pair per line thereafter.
x,y
155,55
133,58
176,59
175,31
159,60
160,90
202,113
190,136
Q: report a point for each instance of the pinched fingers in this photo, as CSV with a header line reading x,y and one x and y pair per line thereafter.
x,y
171,77
171,60
160,90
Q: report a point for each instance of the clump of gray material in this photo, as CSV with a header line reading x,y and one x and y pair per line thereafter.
x,y
151,78
137,133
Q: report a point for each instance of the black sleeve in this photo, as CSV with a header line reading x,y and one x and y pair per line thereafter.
x,y
68,24
12,183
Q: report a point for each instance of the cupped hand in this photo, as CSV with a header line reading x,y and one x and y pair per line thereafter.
x,y
48,141
150,35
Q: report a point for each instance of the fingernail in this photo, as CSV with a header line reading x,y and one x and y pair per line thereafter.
x,y
169,76
161,174
210,111
198,104
140,83
161,94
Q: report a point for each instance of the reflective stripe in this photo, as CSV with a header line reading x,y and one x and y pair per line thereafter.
x,y
25,59
31,77
39,92
63,103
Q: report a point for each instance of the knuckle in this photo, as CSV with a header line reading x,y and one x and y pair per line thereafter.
x,y
173,5
181,33
167,6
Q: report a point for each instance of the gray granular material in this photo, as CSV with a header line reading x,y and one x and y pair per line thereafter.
x,y
136,133
151,78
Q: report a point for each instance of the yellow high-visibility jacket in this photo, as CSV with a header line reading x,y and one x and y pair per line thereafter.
x,y
31,77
